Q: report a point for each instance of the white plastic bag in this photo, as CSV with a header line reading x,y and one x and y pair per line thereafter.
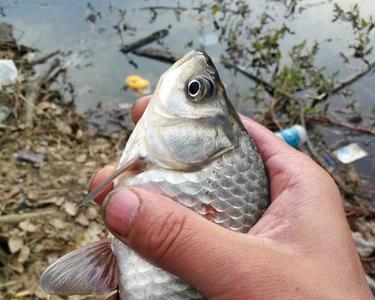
x,y
8,72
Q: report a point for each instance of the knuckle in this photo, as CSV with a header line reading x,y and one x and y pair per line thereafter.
x,y
165,236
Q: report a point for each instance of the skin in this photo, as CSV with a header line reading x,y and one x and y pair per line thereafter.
x,y
302,247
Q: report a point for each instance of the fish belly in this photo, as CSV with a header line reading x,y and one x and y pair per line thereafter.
x,y
231,191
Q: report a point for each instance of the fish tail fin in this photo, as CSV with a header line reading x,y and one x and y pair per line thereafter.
x,y
89,270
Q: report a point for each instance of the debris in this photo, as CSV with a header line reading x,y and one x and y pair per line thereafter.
x,y
27,226
30,157
16,218
350,153
24,254
58,224
365,248
6,33
8,72
157,54
82,220
15,243
294,136
70,208
4,113
155,36
135,82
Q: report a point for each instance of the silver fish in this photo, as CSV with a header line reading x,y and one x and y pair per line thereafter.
x,y
191,146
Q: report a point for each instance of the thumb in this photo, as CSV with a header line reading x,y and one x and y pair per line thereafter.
x,y
176,239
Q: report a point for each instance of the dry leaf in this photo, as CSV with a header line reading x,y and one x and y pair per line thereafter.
x,y
81,158
58,224
27,226
92,212
82,220
15,243
63,127
24,254
70,208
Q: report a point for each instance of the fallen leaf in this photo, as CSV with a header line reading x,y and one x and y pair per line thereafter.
x,y
70,208
27,226
63,127
92,213
24,254
15,243
82,220
58,224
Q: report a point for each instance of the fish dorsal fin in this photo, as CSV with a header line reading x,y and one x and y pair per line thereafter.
x,y
90,270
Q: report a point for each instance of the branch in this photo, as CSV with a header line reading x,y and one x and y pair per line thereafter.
x,y
352,79
43,59
157,54
16,218
155,36
336,122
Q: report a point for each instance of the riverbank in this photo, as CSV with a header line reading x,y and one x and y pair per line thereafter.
x,y
48,152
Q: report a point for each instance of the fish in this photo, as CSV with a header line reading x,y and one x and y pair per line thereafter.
x,y
191,146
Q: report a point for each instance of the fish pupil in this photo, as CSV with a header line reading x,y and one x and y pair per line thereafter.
x,y
194,88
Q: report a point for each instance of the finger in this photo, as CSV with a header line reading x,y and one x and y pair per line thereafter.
x,y
267,142
139,107
176,239
99,176
285,165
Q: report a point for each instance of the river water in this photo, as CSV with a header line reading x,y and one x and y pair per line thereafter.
x,y
84,32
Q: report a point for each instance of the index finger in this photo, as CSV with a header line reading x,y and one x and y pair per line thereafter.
x,y
266,141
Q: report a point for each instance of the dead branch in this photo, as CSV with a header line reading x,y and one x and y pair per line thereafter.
x,y
44,58
338,123
160,7
157,54
17,218
155,36
273,114
352,79
34,88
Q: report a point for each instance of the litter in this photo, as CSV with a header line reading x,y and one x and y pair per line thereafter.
x,y
4,113
350,153
294,136
135,82
8,72
30,157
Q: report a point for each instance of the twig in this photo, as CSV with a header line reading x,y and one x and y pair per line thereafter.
x,y
16,218
33,90
160,55
157,35
269,87
352,79
274,103
336,122
160,7
44,58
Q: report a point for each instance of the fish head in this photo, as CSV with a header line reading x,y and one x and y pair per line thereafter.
x,y
190,120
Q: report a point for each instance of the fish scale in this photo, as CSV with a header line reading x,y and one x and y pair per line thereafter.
x,y
225,191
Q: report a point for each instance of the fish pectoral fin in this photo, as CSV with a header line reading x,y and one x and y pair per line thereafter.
x,y
136,163
89,270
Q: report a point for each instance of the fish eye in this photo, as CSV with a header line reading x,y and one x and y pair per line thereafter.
x,y
200,88
194,88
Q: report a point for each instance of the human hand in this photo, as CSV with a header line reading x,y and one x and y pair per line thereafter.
x,y
301,248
